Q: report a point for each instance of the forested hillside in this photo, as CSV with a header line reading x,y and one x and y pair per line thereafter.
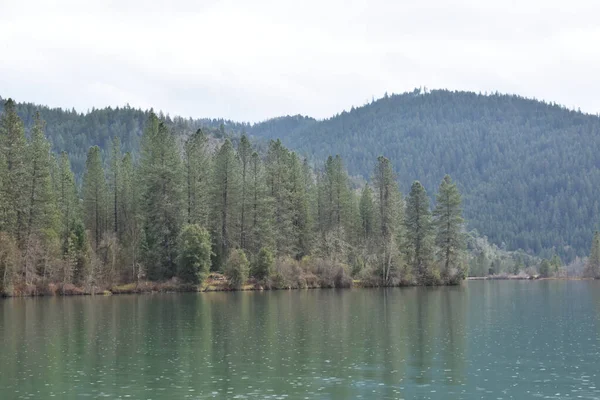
x,y
75,132
529,171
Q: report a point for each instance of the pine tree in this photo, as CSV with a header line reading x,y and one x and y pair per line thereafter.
x,y
130,218
277,169
419,234
245,155
14,186
337,206
67,200
301,222
225,201
95,196
390,217
260,208
367,214
42,212
161,198
449,239
114,179
197,177
263,268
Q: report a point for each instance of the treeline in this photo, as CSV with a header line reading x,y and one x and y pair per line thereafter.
x,y
181,210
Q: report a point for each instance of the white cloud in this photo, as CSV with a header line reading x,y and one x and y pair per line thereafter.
x,y
254,60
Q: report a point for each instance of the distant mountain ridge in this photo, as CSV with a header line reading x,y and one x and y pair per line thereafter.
x,y
529,170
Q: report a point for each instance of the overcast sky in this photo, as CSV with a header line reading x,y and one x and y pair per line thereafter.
x,y
254,59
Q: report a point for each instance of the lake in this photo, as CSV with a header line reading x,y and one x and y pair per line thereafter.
x,y
483,340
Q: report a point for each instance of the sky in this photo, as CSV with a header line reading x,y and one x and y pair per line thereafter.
x,y
255,59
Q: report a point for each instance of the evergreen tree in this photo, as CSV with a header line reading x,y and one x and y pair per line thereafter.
x,y
544,268
94,196
301,222
264,264
14,186
237,268
114,179
367,214
160,173
260,208
197,177
419,234
245,155
225,201
448,223
129,215
42,212
390,217
194,254
67,199
278,183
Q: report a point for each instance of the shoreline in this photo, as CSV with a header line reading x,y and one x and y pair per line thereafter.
x,y
217,283
525,278
214,283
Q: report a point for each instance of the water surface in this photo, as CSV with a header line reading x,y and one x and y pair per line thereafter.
x,y
484,340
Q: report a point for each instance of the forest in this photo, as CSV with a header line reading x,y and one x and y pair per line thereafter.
x,y
185,209
528,170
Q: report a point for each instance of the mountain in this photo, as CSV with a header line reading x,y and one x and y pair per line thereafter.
x,y
529,170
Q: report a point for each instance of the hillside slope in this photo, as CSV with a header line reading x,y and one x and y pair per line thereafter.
x,y
529,171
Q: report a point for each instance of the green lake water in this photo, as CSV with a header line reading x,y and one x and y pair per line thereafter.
x,y
483,340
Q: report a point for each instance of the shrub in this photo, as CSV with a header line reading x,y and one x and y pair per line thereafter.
x,y
544,269
237,268
193,261
263,266
288,274
331,274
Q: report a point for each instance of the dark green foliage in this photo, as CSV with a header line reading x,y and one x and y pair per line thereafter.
x,y
419,235
67,200
367,213
13,156
278,185
527,169
544,269
95,196
264,264
127,223
162,202
225,201
237,268
390,233
42,212
193,261
196,159
450,237
260,208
